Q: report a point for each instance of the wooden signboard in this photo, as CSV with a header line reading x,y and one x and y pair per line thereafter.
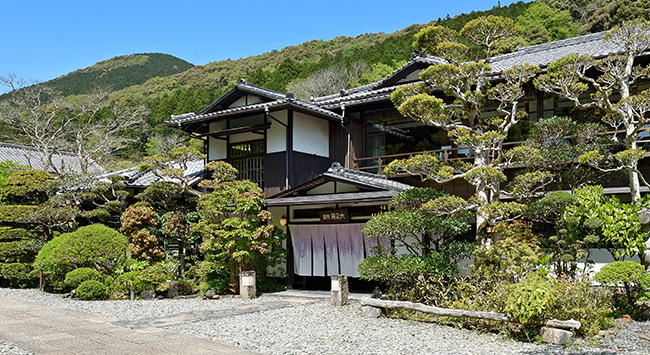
x,y
334,216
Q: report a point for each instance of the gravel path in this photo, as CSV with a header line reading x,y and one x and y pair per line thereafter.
x,y
318,328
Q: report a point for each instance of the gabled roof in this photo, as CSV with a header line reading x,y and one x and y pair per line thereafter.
x,y
370,185
379,90
32,157
240,89
541,55
544,54
142,179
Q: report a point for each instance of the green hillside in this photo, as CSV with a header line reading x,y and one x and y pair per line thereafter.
x,y
120,72
168,85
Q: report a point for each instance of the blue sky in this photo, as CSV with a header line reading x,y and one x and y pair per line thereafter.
x,y
46,39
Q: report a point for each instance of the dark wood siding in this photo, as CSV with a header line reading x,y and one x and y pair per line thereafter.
x,y
338,143
306,167
275,173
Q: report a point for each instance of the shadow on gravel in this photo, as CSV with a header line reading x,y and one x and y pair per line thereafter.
x,y
571,352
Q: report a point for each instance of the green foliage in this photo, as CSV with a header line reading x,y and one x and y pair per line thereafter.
x,y
236,229
514,255
26,187
633,278
13,213
8,234
95,246
75,277
154,276
14,252
17,275
7,168
606,221
409,220
530,299
550,208
120,72
429,278
91,290
542,24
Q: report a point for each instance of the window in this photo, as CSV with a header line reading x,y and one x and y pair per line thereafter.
x,y
248,159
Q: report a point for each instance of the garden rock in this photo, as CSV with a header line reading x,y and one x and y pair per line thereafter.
x,y
147,295
644,310
171,289
556,336
371,312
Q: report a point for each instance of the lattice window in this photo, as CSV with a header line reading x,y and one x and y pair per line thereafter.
x,y
248,159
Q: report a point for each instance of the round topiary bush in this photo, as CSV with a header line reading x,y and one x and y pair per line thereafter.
x,y
95,246
90,290
77,276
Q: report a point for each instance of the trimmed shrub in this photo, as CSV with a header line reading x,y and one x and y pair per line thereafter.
x,y
153,276
17,275
12,252
77,276
628,275
26,187
95,246
90,290
10,214
9,234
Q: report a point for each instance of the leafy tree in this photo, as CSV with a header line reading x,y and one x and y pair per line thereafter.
x,y
140,224
571,77
467,88
560,142
236,228
409,225
90,126
542,23
599,221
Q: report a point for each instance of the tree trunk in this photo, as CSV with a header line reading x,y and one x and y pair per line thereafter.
x,y
635,190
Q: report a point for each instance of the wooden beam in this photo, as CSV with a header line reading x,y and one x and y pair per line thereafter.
x,y
259,129
448,312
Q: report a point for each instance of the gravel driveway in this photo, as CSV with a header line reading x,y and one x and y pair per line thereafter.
x,y
286,325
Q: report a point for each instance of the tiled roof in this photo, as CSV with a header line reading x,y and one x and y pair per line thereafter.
x,y
142,179
277,104
544,54
541,55
31,157
363,178
350,197
372,91
247,87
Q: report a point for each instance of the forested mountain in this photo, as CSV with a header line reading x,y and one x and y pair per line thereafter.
x,y
168,85
120,72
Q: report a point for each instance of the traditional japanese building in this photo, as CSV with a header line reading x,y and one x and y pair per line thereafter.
x,y
321,162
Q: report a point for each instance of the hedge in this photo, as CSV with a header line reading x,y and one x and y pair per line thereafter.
x,y
17,275
10,234
10,214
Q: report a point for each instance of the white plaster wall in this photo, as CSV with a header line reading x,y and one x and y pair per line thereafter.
x,y
252,99
310,135
245,137
327,188
277,135
217,149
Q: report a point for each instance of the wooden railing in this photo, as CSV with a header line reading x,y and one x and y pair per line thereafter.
x,y
446,154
